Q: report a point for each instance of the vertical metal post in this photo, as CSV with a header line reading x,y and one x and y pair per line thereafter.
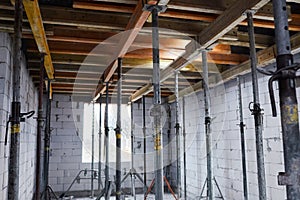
x,y
257,112
106,144
13,169
47,138
39,131
100,143
157,113
177,127
242,131
210,176
132,154
184,146
93,144
288,102
145,143
118,132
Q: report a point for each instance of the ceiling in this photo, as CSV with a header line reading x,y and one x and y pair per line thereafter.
x,y
85,38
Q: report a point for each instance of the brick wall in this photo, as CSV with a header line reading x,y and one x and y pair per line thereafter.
x,y
28,129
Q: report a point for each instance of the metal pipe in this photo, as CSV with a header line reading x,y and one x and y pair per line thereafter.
x,y
100,143
132,155
242,131
169,140
256,112
39,132
47,138
118,132
77,177
107,144
288,103
14,152
177,127
145,143
210,188
157,112
93,144
184,146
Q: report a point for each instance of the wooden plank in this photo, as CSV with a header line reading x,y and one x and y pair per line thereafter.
x,y
34,17
68,48
293,1
100,6
190,10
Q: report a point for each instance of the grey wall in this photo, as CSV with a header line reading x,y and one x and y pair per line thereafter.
x,y
28,129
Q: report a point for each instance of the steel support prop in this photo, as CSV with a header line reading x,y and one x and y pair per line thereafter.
x,y
210,176
145,143
93,150
118,132
184,146
47,139
177,133
243,146
132,178
288,103
156,112
100,144
170,150
107,181
14,152
257,112
39,132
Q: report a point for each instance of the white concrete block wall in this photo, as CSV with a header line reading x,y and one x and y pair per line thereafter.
x,y
226,139
28,129
66,145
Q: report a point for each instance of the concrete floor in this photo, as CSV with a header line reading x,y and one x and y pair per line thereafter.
x,y
138,197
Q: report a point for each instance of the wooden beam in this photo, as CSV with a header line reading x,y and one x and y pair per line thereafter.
x,y
265,57
98,21
224,23
227,20
146,54
293,1
202,10
190,11
136,22
35,19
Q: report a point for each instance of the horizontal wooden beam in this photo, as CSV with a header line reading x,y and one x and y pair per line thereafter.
x,y
265,57
202,10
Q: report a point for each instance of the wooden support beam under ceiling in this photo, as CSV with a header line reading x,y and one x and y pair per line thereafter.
x,y
136,22
224,23
36,23
202,10
217,57
265,57
98,21
192,9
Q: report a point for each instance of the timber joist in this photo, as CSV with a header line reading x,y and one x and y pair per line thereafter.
x,y
69,36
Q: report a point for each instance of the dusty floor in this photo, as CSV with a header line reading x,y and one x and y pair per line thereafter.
x,y
138,197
